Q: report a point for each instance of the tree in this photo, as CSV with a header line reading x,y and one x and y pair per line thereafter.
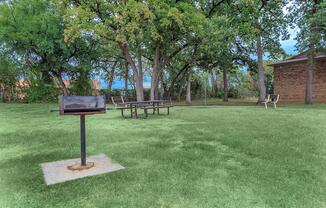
x,y
108,66
309,16
34,29
177,25
263,24
216,46
119,24
9,76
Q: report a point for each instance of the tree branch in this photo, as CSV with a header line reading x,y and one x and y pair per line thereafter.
x,y
211,11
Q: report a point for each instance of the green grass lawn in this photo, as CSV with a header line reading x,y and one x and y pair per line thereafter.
x,y
196,157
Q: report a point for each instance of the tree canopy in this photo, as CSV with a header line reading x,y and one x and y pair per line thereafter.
x,y
168,41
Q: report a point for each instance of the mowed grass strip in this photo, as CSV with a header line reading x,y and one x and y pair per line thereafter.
x,y
195,157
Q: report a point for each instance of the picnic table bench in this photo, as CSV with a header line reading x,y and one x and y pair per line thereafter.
x,y
156,105
119,103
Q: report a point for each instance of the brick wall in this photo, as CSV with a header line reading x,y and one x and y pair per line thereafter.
x,y
290,81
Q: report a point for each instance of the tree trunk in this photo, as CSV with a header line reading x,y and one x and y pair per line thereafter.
x,y
126,78
310,67
188,93
109,87
137,80
140,68
162,85
193,59
111,76
156,72
314,28
62,84
9,95
111,80
261,73
179,93
2,93
6,95
213,84
225,85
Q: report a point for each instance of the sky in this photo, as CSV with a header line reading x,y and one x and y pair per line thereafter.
x,y
287,45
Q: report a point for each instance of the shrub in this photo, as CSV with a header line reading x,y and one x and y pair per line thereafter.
x,y
41,92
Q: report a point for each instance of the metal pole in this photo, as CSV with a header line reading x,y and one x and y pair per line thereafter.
x,y
82,140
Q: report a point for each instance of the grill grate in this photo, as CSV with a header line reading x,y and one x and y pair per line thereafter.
x,y
78,105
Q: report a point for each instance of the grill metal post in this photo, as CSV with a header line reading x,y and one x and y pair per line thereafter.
x,y
82,140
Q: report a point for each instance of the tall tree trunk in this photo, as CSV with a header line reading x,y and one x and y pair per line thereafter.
x,y
188,93
62,84
179,93
111,76
310,67
225,85
6,95
140,68
193,59
213,83
2,93
157,90
131,82
162,85
314,28
156,72
126,77
138,85
261,73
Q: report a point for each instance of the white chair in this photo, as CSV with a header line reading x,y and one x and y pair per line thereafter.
x,y
267,100
274,99
271,99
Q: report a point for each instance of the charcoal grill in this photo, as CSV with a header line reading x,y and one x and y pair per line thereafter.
x,y
82,106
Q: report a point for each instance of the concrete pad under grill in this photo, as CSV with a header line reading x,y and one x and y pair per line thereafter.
x,y
57,172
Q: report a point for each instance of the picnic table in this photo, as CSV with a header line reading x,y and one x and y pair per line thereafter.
x,y
133,105
120,103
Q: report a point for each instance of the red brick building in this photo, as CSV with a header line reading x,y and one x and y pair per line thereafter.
x,y
290,79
